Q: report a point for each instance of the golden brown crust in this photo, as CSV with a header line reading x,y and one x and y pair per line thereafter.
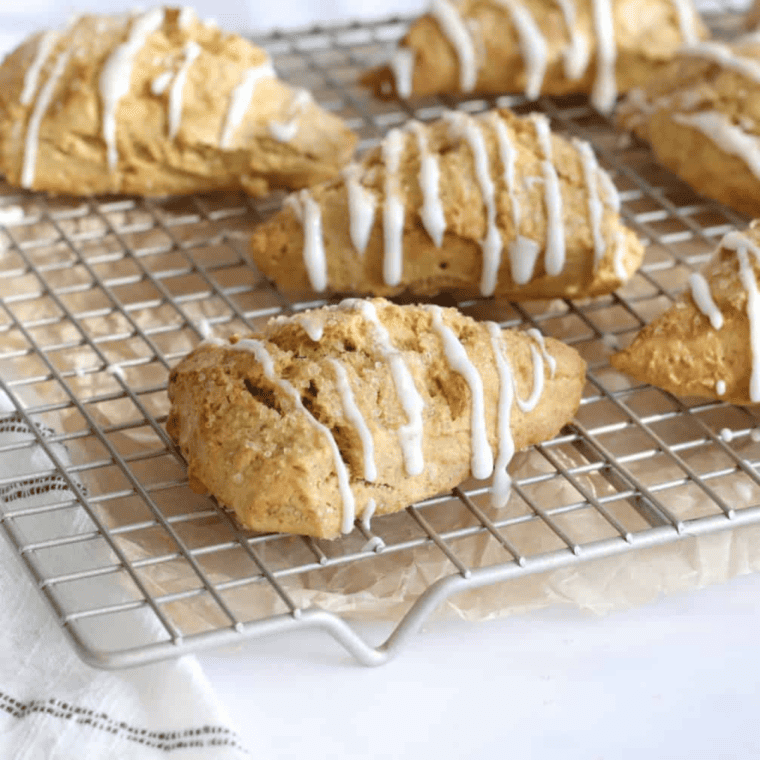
x,y
647,35
682,352
278,245
702,119
248,443
72,156
752,17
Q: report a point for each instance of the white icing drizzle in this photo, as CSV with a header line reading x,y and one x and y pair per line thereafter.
x,y
727,136
160,84
686,21
375,544
618,256
501,480
590,173
538,382
543,133
240,100
491,245
734,240
455,30
402,66
185,17
393,209
369,511
612,198
747,276
204,328
523,252
115,78
548,358
309,214
263,357
176,93
32,76
481,461
727,435
604,90
700,292
410,435
356,418
11,214
576,55
755,435
312,323
725,56
720,387
41,105
554,257
431,213
532,46
285,131
361,208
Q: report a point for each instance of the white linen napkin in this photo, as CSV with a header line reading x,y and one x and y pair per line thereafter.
x,y
52,705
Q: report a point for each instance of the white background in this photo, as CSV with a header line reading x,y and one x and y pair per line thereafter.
x,y
679,678
19,17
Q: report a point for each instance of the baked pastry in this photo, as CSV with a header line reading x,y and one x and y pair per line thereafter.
x,y
158,103
600,47
362,408
703,120
752,16
708,342
494,204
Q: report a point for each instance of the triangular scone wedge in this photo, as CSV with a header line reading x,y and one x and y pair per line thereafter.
x,y
703,120
364,408
708,342
493,204
550,47
158,103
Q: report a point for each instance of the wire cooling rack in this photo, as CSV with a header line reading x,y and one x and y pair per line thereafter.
x,y
102,296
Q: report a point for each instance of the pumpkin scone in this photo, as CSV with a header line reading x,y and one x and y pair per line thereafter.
x,y
707,343
158,103
364,408
703,120
494,204
550,47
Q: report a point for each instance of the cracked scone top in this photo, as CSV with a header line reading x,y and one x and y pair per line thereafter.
x,y
708,342
550,47
492,204
703,120
158,103
364,407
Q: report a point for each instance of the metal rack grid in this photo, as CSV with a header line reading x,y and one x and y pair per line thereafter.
x,y
100,297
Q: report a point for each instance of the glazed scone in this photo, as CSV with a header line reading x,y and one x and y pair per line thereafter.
x,y
703,120
598,47
493,204
364,408
158,103
708,342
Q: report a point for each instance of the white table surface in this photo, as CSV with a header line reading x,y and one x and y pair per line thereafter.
x,y
679,678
